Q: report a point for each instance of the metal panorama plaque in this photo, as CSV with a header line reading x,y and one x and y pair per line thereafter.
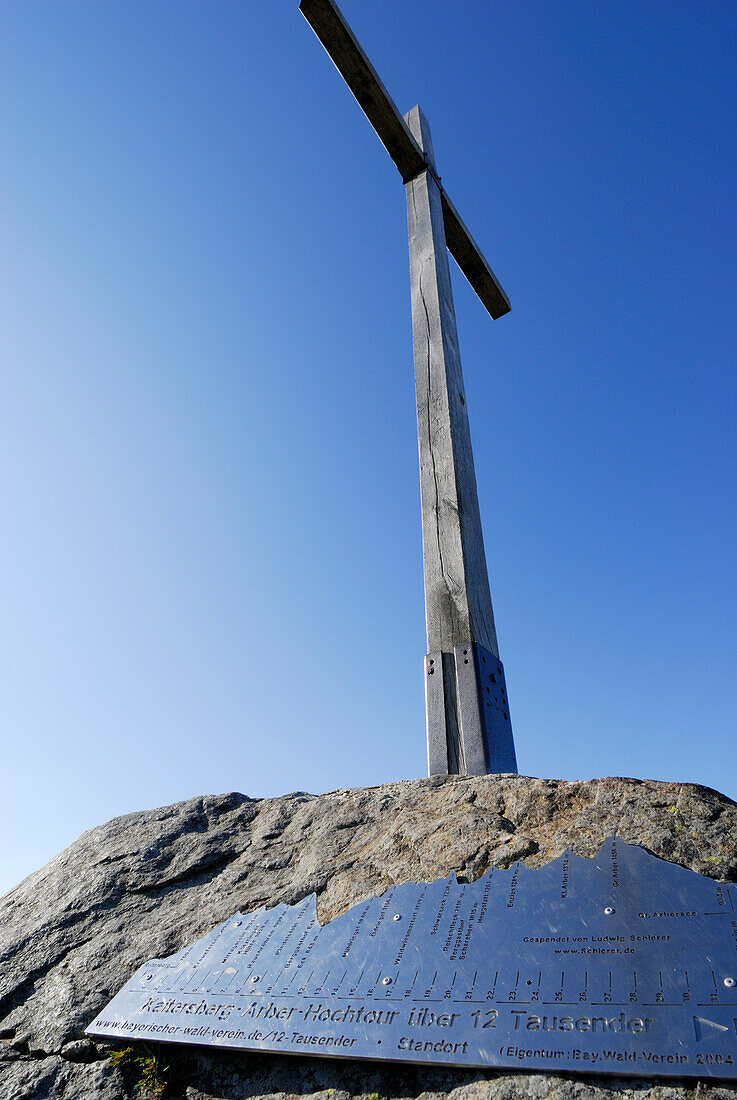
x,y
618,964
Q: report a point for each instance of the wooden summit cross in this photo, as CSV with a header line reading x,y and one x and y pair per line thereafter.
x,y
468,726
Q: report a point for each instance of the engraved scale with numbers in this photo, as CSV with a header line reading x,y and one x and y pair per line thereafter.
x,y
620,964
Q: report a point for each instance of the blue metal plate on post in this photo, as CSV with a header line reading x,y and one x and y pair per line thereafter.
x,y
620,964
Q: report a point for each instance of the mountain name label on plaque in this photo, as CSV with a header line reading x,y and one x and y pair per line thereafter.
x,y
619,964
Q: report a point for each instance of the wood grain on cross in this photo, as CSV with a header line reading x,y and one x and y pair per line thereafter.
x,y
468,726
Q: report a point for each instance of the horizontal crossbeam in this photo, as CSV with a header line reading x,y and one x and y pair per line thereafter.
x,y
336,36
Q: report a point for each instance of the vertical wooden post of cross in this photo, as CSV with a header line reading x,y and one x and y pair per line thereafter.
x,y
468,727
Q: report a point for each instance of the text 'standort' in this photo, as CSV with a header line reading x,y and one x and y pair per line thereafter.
x,y
619,964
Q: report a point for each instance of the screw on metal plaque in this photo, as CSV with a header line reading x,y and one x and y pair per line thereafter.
x,y
498,972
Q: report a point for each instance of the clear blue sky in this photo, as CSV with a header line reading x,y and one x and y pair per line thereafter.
x,y
211,560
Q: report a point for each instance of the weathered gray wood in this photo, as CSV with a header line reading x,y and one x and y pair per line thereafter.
x,y
457,596
336,36
328,23
461,735
470,259
458,609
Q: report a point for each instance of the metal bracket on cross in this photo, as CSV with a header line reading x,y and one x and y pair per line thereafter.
x,y
469,730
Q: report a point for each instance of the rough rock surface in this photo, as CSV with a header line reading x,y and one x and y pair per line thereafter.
x,y
147,884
